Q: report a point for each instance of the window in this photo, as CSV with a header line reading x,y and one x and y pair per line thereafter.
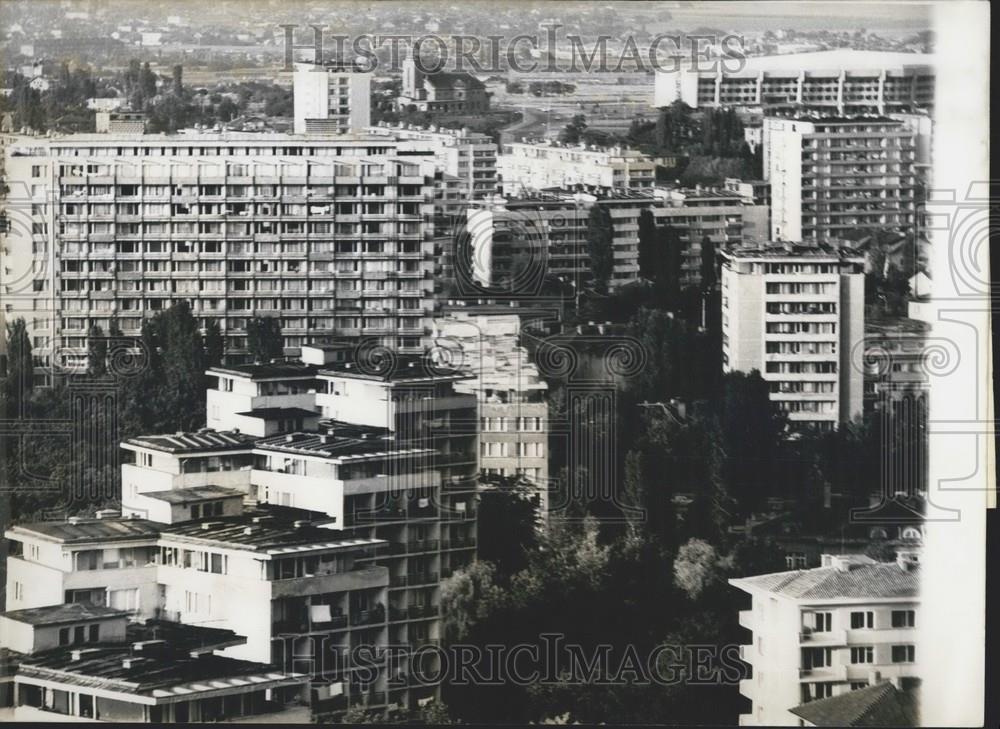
x,y
795,560
195,511
857,685
63,636
863,654
146,460
824,690
94,633
78,634
903,654
903,618
822,622
864,619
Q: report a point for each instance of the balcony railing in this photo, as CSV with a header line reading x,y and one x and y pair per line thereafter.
x,y
423,545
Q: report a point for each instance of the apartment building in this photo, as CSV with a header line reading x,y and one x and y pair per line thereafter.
x,y
838,176
81,662
526,166
894,365
332,235
550,229
513,412
839,81
331,99
470,157
794,313
250,570
723,216
828,631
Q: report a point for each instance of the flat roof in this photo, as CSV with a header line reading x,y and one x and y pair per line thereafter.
x,y
196,493
275,413
395,368
847,59
337,447
156,675
793,250
269,371
267,535
202,440
67,613
85,531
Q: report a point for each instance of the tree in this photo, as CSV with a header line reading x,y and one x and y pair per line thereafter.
x,y
215,344
507,516
264,340
696,567
572,132
97,352
18,380
751,429
466,596
600,238
178,80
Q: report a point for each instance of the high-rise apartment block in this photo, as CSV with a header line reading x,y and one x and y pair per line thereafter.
x,y
794,314
841,81
331,99
330,234
828,631
832,177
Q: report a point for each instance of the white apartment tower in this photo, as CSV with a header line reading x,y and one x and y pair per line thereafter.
x,y
831,177
331,99
330,234
825,632
794,314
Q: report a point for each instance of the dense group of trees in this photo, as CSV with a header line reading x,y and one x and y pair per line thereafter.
x,y
156,384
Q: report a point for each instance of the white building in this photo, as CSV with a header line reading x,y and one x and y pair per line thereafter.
x,y
839,81
827,631
794,314
471,157
833,177
331,100
538,166
514,429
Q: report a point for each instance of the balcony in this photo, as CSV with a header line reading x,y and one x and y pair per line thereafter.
x,y
305,626
823,638
423,545
374,616
823,673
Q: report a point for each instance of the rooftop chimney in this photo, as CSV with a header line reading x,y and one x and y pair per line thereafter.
x,y
299,523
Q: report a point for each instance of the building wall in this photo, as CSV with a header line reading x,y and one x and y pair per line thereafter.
x,y
783,629
258,245
783,168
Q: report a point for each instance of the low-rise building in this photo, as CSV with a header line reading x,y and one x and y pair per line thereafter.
x,y
80,662
827,631
452,93
526,166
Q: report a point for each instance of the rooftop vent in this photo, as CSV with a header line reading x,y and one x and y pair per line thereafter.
x,y
248,530
73,520
107,513
299,523
290,438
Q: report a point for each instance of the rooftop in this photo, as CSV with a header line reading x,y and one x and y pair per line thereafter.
x,y
881,704
339,447
115,667
392,368
782,249
67,613
277,413
86,531
268,371
842,58
896,326
878,580
202,440
197,493
266,534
